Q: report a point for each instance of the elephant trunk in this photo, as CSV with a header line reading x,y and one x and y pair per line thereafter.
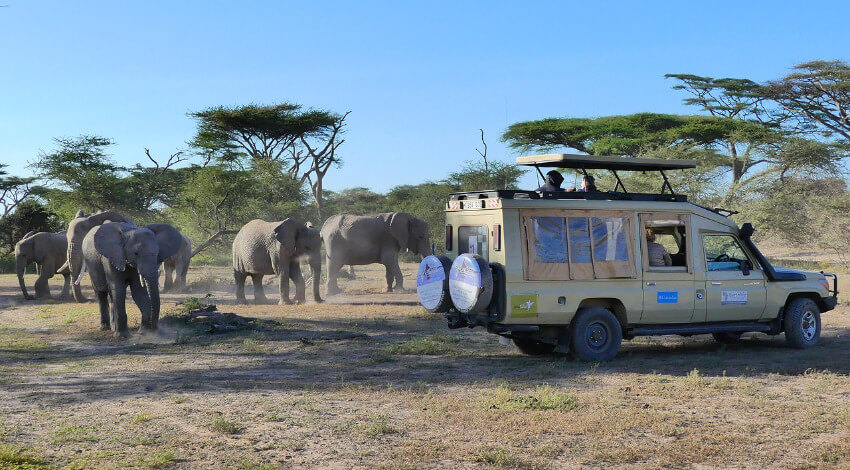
x,y
152,287
316,268
75,265
21,268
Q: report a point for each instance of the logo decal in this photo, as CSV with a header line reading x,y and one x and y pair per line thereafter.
x,y
733,297
667,297
524,305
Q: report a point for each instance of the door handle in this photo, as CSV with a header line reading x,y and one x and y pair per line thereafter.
x,y
650,283
716,283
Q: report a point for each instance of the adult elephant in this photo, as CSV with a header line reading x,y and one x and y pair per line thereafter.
x,y
77,230
47,250
262,248
119,254
177,266
360,239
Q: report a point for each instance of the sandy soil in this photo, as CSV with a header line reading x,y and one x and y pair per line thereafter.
x,y
371,380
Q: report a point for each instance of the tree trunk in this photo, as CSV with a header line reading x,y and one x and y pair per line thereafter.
x,y
203,246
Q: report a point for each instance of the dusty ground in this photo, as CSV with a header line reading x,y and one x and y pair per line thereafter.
x,y
381,383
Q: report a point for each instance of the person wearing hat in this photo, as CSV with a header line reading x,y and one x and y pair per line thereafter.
x,y
553,182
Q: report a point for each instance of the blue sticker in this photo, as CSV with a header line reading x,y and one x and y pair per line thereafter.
x,y
668,297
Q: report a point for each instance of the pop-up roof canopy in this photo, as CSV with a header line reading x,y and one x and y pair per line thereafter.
x,y
614,164
595,162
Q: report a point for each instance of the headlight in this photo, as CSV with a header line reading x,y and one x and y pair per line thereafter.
x,y
825,284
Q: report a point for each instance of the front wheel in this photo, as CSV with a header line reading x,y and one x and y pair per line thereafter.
x,y
532,347
802,323
595,335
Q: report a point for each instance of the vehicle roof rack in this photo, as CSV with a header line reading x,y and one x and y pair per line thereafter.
x,y
562,195
614,164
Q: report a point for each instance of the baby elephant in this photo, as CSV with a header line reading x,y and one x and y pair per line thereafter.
x,y
118,255
262,248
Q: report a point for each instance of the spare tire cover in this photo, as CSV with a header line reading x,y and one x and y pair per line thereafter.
x,y
432,283
470,283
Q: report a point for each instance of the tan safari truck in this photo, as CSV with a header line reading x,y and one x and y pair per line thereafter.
x,y
570,271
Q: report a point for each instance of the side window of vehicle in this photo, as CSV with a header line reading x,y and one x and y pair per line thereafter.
x,y
550,239
473,239
723,253
664,241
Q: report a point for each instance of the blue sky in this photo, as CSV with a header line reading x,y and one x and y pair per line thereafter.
x,y
419,77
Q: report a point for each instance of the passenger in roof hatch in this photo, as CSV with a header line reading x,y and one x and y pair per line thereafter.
x,y
588,185
553,182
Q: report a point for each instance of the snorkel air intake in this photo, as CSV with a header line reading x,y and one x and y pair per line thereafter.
x,y
746,233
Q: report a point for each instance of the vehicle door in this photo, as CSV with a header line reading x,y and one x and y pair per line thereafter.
x,y
735,289
668,290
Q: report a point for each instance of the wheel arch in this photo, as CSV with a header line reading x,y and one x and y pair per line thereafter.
x,y
813,296
613,304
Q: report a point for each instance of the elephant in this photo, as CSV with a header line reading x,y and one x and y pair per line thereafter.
x,y
362,239
48,251
77,230
262,248
118,254
177,266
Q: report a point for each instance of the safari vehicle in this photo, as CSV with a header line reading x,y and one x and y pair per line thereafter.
x,y
570,272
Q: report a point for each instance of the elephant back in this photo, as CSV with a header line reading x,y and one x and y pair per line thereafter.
x,y
253,247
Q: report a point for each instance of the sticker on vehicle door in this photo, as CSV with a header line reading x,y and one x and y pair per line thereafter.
x,y
524,305
667,297
733,297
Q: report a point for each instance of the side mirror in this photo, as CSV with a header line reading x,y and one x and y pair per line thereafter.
x,y
746,267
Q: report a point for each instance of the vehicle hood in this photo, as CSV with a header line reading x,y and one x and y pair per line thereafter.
x,y
808,274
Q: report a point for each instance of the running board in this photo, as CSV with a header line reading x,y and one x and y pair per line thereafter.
x,y
699,329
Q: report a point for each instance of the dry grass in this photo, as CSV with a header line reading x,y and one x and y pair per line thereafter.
x,y
369,380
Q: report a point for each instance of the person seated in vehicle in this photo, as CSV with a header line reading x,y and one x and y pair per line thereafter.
x,y
553,182
656,252
588,185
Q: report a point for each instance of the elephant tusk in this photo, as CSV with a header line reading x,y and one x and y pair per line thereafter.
x,y
80,276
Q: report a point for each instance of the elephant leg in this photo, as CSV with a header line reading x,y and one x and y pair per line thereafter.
x,y
42,289
118,317
240,286
143,301
259,294
389,276
298,279
169,270
285,271
180,277
66,289
103,301
399,279
333,272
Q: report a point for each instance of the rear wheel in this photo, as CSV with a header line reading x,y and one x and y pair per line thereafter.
x,y
595,335
532,347
727,337
802,323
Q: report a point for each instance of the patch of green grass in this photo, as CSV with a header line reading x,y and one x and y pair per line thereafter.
x,y
140,441
543,398
694,379
17,458
141,418
436,345
157,459
75,433
252,465
503,458
225,426
377,425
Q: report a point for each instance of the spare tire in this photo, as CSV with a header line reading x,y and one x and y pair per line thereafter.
x,y
432,283
470,283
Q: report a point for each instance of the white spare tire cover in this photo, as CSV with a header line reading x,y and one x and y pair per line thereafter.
x,y
470,283
432,283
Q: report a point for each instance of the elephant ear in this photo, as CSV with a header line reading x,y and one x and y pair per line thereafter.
x,y
286,233
109,242
168,238
399,223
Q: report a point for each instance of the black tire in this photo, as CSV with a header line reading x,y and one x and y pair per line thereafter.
x,y
802,323
532,347
595,335
727,337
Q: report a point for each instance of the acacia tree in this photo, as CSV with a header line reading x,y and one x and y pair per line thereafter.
x,y
817,94
304,141
14,190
